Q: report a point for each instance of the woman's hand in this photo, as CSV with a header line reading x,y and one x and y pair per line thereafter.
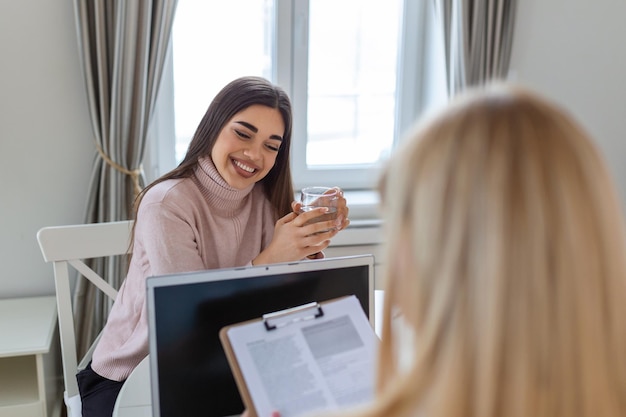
x,y
299,235
296,238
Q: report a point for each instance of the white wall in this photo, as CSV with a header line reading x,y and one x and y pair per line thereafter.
x,y
572,50
45,137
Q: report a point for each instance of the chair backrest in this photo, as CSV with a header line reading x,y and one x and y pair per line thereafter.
x,y
71,245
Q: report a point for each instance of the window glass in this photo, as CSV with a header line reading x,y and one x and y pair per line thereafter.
x,y
352,67
213,43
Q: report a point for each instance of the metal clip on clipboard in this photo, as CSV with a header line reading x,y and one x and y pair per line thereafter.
x,y
292,315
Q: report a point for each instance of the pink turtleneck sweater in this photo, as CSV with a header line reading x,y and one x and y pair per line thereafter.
x,y
182,225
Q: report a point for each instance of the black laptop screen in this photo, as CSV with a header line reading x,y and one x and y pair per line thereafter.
x,y
192,373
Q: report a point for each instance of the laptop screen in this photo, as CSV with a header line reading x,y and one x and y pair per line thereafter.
x,y
190,374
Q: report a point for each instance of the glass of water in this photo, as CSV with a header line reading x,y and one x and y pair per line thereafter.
x,y
314,197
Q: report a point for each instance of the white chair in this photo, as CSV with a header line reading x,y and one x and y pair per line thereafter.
x,y
71,245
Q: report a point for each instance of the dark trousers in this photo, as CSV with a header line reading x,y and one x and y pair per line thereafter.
x,y
97,393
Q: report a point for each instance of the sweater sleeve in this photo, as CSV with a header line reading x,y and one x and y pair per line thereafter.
x,y
168,239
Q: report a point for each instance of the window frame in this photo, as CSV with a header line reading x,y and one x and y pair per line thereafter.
x,y
290,69
292,37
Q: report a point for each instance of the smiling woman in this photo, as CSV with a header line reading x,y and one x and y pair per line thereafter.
x,y
229,203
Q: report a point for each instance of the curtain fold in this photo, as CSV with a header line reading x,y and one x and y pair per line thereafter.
x,y
478,35
123,46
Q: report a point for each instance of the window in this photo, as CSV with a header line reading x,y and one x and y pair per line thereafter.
x,y
214,42
351,67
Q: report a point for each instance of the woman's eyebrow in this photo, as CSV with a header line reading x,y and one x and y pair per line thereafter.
x,y
256,130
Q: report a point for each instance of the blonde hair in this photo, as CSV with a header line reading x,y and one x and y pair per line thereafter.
x,y
505,252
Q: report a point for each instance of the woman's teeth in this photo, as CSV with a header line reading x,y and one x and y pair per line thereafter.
x,y
244,167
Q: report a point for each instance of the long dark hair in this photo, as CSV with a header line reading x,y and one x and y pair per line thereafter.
x,y
235,97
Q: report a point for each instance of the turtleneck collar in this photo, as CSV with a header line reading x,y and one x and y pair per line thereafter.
x,y
215,189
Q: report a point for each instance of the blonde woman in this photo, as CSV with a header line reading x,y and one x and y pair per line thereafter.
x,y
506,259
505,267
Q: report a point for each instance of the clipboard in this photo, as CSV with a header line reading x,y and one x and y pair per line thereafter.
x,y
281,325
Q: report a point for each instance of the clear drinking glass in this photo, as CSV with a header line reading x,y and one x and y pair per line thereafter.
x,y
313,197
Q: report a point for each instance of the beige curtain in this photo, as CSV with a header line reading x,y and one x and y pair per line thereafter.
x,y
123,45
478,35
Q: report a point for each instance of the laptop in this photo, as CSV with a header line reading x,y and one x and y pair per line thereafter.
x,y
190,375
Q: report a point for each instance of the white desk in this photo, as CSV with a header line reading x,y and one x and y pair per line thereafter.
x,y
135,398
29,366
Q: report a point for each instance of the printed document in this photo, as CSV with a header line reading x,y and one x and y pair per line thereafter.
x,y
306,363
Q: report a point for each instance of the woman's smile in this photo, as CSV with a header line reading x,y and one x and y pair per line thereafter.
x,y
247,169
